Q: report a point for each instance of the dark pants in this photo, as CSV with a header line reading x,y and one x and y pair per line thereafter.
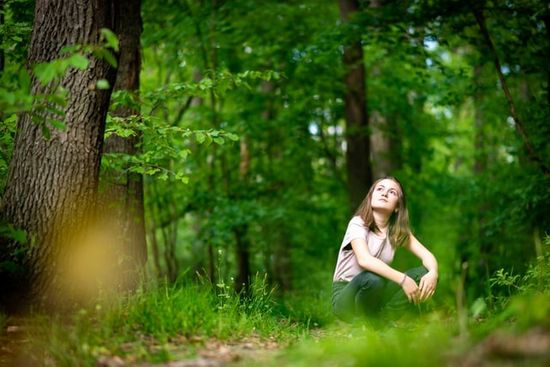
x,y
368,293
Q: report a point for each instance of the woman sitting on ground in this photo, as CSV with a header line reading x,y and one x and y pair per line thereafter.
x,y
364,282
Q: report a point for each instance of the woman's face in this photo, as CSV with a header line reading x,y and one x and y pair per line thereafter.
x,y
385,196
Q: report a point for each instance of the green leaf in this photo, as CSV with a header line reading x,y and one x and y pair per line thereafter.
x,y
184,153
79,61
69,49
152,171
46,132
200,137
232,136
104,54
24,79
110,38
103,84
9,231
45,72
58,124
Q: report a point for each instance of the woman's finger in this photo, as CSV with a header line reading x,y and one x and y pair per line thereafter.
x,y
421,283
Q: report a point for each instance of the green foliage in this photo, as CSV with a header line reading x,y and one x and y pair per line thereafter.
x,y
47,104
47,72
159,142
11,262
535,280
7,133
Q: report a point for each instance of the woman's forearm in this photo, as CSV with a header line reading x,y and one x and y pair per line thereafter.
x,y
430,262
379,267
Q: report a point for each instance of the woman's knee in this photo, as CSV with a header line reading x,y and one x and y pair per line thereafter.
x,y
367,279
417,273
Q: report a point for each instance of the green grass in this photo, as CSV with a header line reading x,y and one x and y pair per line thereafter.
x,y
170,322
417,343
160,324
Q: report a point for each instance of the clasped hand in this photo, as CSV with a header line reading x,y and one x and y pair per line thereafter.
x,y
421,292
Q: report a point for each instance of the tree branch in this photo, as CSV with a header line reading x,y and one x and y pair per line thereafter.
x,y
480,18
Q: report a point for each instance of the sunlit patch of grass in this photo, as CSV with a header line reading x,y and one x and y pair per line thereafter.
x,y
420,342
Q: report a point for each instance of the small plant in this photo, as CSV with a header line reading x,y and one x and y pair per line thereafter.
x,y
536,279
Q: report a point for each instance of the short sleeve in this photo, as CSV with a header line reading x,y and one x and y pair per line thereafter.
x,y
354,231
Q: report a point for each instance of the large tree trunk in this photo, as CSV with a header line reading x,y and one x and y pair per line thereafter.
x,y
52,183
123,191
357,134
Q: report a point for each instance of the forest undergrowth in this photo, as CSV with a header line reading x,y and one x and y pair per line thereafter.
x,y
193,322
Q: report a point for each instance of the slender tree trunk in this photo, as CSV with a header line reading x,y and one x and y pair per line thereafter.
x,y
476,221
546,20
52,183
2,55
242,281
381,136
380,146
480,159
155,249
357,130
124,190
282,259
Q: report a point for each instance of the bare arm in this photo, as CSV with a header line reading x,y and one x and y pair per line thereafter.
x,y
375,265
428,282
427,258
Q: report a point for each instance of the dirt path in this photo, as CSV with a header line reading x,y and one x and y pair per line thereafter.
x,y
212,353
12,339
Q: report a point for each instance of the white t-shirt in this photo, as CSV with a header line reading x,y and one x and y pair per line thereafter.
x,y
346,266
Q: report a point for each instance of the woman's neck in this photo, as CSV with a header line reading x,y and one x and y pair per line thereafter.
x,y
381,221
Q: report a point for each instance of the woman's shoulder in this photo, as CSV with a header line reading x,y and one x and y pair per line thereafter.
x,y
357,220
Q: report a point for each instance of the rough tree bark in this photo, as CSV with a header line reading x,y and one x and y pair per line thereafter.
x,y
52,183
123,192
357,130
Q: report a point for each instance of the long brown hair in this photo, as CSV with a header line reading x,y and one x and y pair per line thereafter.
x,y
399,230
